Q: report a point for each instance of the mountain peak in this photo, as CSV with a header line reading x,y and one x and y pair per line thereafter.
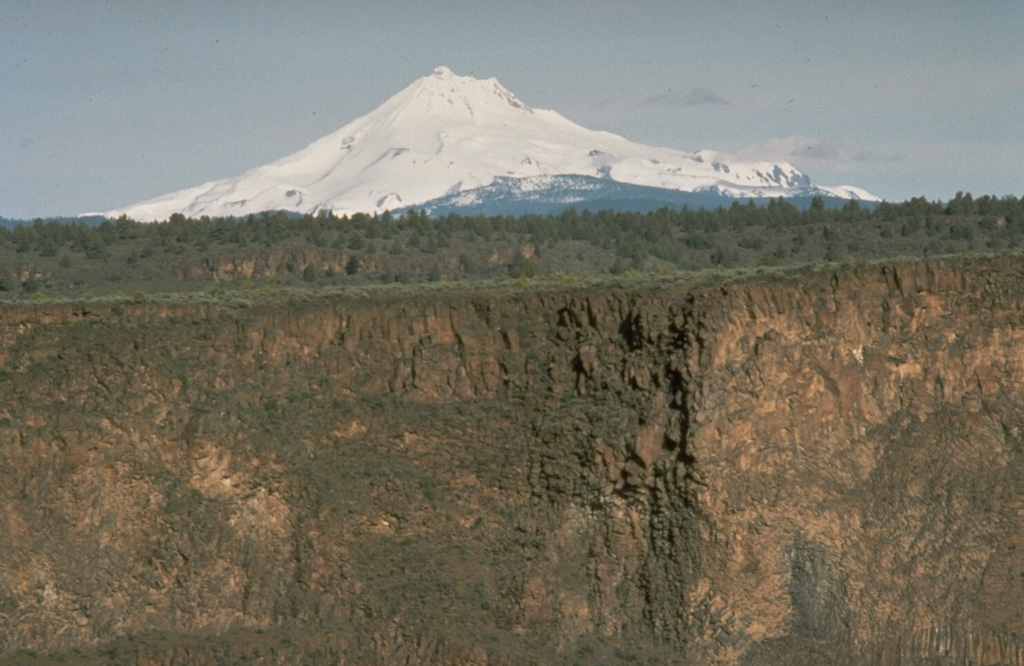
x,y
463,93
445,134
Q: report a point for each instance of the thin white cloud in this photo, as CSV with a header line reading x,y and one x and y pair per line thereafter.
x,y
834,154
693,97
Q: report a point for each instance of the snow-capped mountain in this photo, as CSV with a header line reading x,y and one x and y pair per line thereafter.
x,y
447,137
545,195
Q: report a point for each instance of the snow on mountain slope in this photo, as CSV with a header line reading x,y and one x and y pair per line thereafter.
x,y
446,134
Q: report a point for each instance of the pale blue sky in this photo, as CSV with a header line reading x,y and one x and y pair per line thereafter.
x,y
106,103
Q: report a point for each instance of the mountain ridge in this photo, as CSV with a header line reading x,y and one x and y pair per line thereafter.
x,y
445,134
545,195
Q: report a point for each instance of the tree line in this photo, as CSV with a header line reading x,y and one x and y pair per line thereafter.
x,y
413,246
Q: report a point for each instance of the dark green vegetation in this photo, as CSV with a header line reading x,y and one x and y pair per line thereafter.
x,y
264,252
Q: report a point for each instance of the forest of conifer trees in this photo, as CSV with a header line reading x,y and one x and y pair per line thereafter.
x,y
51,257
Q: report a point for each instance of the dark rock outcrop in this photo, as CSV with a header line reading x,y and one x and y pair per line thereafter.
x,y
823,465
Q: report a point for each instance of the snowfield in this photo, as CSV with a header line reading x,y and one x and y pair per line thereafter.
x,y
447,134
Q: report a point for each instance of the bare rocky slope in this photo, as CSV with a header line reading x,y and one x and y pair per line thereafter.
x,y
822,466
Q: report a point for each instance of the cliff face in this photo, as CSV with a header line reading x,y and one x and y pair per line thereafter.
x,y
823,466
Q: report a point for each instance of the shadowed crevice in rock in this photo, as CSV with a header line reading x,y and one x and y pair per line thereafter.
x,y
761,471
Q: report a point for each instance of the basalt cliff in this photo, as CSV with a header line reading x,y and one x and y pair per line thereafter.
x,y
819,466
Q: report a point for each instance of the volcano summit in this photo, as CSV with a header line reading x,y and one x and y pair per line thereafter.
x,y
450,142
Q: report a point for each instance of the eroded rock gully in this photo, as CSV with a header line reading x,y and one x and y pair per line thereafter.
x,y
819,467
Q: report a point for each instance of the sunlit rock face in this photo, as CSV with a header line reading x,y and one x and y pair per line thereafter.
x,y
819,465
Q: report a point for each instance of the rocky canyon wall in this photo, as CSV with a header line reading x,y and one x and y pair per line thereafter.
x,y
822,466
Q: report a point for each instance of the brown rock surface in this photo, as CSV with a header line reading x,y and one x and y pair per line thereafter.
x,y
822,466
